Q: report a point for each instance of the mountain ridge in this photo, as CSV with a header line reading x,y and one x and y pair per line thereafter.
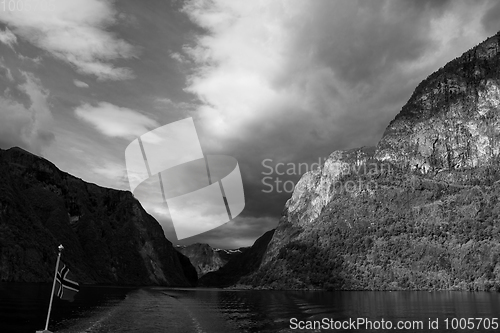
x,y
108,237
205,258
422,215
239,265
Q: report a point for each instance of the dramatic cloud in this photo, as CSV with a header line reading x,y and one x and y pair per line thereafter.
x,y
320,64
80,84
286,81
296,80
115,121
8,38
27,126
75,32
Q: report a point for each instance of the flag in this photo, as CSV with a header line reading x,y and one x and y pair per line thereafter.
x,y
66,289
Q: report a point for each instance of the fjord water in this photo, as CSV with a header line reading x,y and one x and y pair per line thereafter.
x,y
105,309
23,306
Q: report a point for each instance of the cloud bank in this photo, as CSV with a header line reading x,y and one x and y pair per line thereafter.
x,y
74,31
320,64
296,80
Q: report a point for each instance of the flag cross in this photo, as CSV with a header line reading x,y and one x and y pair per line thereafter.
x,y
66,284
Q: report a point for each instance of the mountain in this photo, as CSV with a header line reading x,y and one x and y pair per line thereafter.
x,y
418,211
451,121
206,259
108,237
240,265
188,269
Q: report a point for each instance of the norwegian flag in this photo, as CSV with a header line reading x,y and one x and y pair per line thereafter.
x,y
66,289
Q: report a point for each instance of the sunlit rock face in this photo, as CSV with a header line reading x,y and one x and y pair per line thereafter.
x,y
314,191
452,120
424,214
108,236
315,188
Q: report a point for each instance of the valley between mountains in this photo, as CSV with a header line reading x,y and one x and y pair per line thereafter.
x,y
421,211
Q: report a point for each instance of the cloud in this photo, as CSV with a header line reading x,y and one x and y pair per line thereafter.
x,y
5,71
75,32
179,57
167,103
296,80
29,126
110,172
319,64
80,84
240,232
490,20
115,121
36,61
8,38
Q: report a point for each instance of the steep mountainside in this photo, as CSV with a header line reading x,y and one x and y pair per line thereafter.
x,y
107,235
419,212
452,120
206,259
239,265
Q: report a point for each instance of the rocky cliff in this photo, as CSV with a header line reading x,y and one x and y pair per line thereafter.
x,y
451,121
420,211
107,235
206,259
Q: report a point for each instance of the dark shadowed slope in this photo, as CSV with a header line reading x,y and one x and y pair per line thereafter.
x,y
108,236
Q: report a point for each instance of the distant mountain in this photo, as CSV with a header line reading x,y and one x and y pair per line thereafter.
x,y
108,237
240,265
206,259
418,211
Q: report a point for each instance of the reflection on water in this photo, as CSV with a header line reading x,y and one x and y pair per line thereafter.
x,y
271,311
23,306
205,310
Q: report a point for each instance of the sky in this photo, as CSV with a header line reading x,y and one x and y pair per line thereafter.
x,y
277,85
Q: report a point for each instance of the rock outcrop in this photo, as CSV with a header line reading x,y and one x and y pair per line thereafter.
x,y
206,259
420,211
108,237
239,266
452,120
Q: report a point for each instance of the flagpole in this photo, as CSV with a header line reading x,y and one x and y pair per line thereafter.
x,y
61,248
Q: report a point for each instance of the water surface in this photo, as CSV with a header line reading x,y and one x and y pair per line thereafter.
x,y
214,310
